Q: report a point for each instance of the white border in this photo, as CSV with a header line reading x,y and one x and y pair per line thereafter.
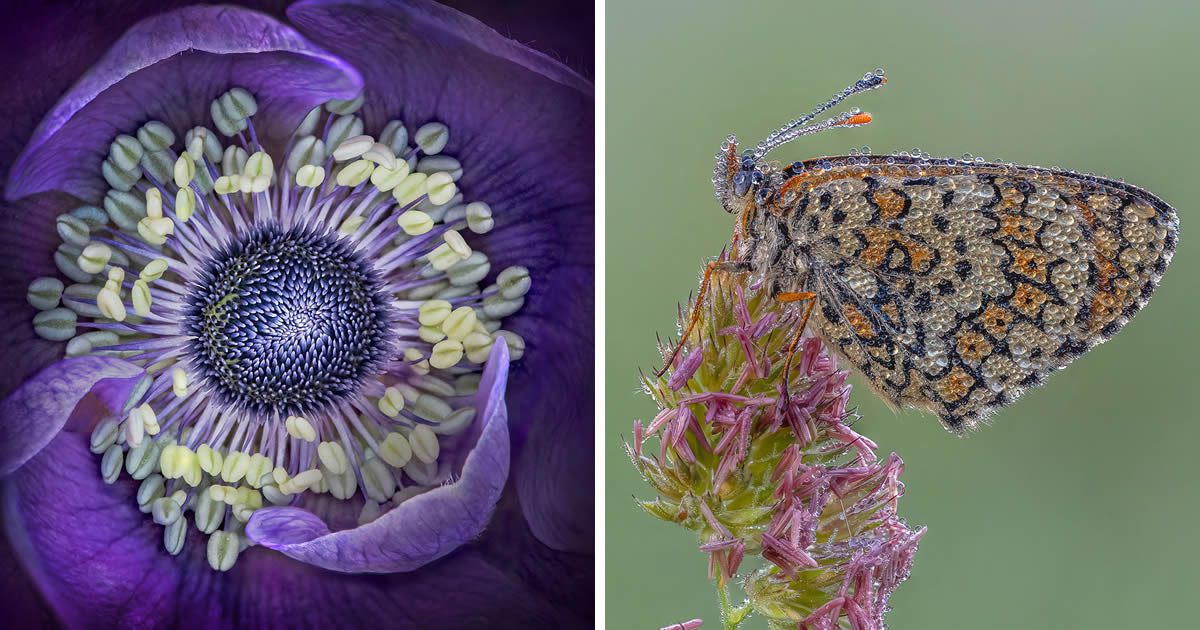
x,y
600,304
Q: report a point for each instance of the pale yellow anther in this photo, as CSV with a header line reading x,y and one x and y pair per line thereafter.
x,y
258,470
433,312
478,346
351,148
300,428
179,382
153,270
149,419
355,173
515,343
380,154
410,188
395,450
260,183
306,479
333,456
195,146
229,184
441,188
218,492
432,137
387,178
185,168
154,203
310,176
140,296
177,461
135,430
154,230
259,164
110,305
210,460
424,444
459,323
222,550
351,224
446,354
457,243
235,466
412,354
443,257
94,257
415,222
392,402
246,184
279,474
185,204
192,473
430,334
479,217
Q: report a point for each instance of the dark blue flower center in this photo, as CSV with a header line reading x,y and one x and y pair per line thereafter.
x,y
287,321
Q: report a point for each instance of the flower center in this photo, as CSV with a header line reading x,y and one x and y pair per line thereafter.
x,y
317,327
287,322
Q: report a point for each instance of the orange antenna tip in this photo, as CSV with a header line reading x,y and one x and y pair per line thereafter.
x,y
857,119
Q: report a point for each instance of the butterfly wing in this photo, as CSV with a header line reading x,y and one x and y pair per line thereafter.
x,y
954,287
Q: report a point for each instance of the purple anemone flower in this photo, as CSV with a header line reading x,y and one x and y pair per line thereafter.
x,y
298,310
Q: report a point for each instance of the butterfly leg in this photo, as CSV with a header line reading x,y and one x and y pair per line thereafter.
x,y
791,351
727,266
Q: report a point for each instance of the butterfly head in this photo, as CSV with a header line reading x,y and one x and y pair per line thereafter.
x,y
741,179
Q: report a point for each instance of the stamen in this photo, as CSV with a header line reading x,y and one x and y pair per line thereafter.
x,y
298,336
432,138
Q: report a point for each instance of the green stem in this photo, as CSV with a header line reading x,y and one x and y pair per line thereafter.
x,y
731,616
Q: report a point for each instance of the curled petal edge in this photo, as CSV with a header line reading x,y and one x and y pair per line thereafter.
x,y
423,528
471,30
211,29
37,410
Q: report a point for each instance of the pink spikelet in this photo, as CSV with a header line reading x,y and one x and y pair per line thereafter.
x,y
756,466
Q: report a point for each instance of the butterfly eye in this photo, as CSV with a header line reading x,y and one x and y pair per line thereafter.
x,y
741,183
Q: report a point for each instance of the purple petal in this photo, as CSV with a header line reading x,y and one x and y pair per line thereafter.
x,y
38,410
27,233
522,126
423,528
99,563
176,63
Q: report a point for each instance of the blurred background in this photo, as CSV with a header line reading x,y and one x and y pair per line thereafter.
x,y
1079,507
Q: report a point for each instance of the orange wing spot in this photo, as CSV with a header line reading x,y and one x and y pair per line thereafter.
x,y
891,311
858,321
1088,215
1106,306
995,321
877,242
1029,299
1107,270
890,202
1018,227
955,385
1029,263
973,347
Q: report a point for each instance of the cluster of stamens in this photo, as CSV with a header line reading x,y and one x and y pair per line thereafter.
x,y
312,328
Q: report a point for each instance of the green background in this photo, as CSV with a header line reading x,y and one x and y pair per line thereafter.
x,y
1079,507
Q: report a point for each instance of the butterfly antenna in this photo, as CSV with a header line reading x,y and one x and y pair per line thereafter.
x,y
797,128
